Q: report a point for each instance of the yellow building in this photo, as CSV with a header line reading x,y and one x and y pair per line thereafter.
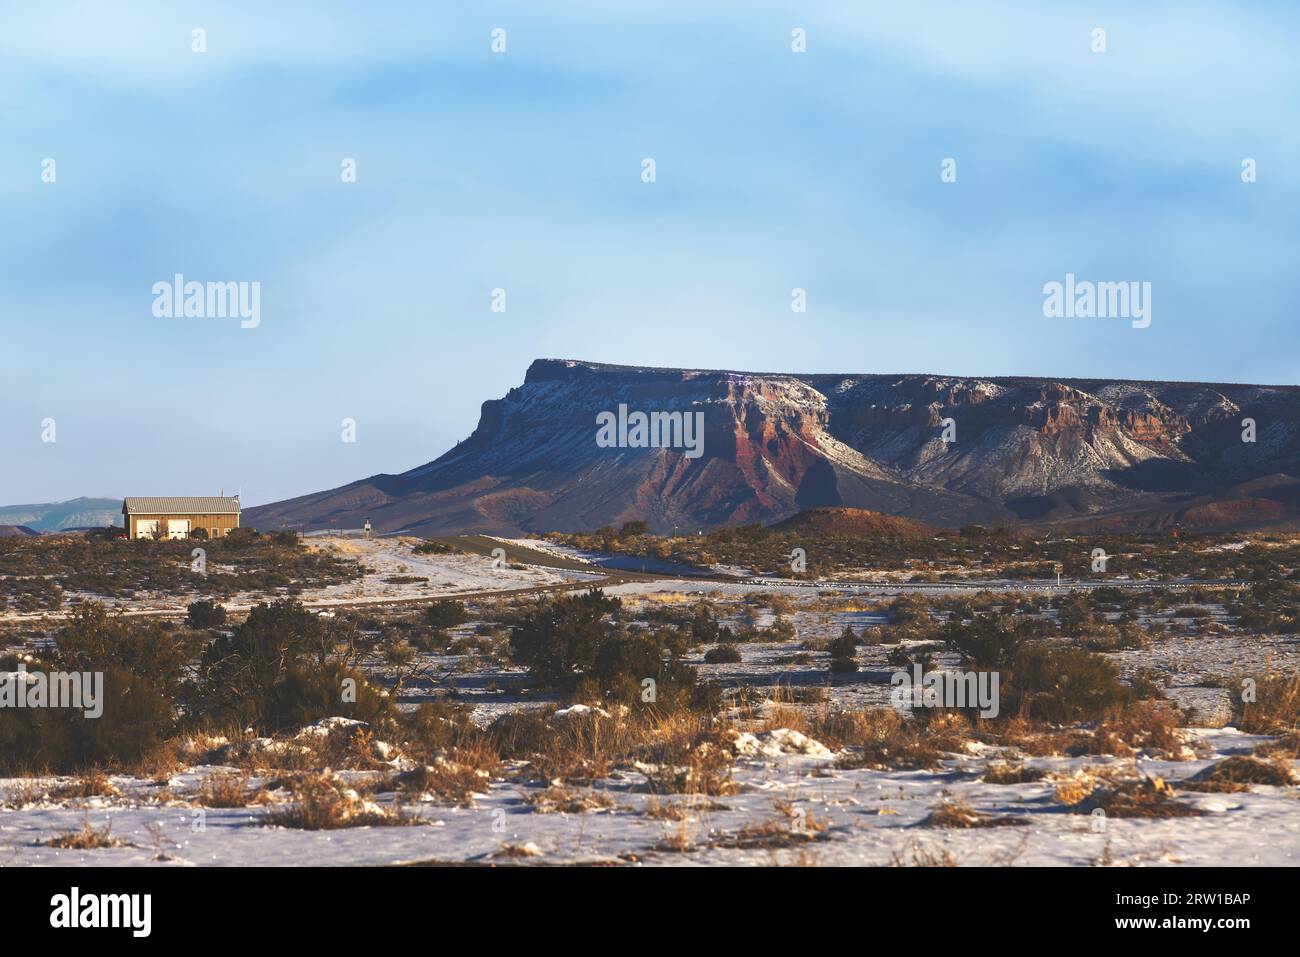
x,y
179,517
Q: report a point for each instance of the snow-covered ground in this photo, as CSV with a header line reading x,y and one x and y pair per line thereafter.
x,y
442,576
814,813
447,575
790,807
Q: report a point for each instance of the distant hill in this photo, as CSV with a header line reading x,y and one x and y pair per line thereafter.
x,y
55,516
17,531
946,450
855,523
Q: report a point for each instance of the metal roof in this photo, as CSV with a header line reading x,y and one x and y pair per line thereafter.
x,y
182,505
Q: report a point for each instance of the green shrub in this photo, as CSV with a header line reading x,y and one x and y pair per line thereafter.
x,y
142,668
311,691
278,666
1061,685
445,614
559,637
205,613
722,655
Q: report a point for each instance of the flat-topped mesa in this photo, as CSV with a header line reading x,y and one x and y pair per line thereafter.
x,y
947,450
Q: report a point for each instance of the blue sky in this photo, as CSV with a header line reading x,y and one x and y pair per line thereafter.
x,y
775,170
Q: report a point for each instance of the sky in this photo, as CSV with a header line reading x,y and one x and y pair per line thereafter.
x,y
522,170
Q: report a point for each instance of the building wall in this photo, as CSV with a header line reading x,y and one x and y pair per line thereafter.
x,y
216,525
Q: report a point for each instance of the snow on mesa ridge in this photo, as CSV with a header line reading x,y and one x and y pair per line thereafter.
x,y
1039,450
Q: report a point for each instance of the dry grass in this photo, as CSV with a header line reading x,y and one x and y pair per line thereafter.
x,y
923,857
1276,709
658,810
678,840
1146,726
24,794
455,779
558,799
798,818
1004,772
769,835
881,738
225,790
960,814
517,851
1287,746
89,838
94,783
323,802
1238,773
1142,797
705,771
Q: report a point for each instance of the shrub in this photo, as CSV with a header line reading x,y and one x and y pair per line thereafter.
x,y
1238,773
1276,708
89,838
224,790
559,638
445,614
988,641
311,691
142,668
432,548
324,802
430,641
844,651
205,613
722,655
278,670
1075,611
704,625
1138,797
1061,684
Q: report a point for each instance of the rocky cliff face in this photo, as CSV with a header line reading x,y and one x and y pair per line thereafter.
x,y
1035,450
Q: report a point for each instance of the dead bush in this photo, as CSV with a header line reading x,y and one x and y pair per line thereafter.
x,y
94,783
960,814
1238,773
88,838
1008,773
557,799
322,802
225,790
1276,708
1143,797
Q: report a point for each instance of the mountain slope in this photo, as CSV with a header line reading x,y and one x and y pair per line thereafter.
x,y
74,513
1037,450
855,523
